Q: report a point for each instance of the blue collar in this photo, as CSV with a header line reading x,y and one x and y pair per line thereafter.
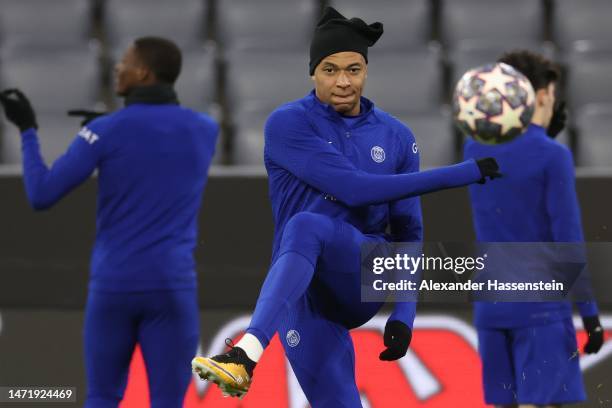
x,y
536,129
367,109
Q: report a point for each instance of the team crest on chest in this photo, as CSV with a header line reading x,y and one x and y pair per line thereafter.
x,y
378,154
293,338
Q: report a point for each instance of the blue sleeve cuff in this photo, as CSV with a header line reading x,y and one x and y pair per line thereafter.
x,y
587,309
405,312
29,132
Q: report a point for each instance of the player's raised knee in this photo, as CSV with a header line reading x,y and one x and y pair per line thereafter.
x,y
308,222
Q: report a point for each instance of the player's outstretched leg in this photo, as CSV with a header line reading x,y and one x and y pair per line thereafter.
x,y
303,240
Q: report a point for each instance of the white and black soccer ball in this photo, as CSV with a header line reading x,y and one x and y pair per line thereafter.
x,y
493,104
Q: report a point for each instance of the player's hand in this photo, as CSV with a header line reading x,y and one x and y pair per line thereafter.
x,y
18,109
87,115
488,168
557,122
397,339
596,334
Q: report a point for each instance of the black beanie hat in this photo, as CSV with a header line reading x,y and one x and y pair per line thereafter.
x,y
335,33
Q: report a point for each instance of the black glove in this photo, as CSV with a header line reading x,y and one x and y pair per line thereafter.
x,y
397,339
87,115
557,122
488,168
17,109
596,334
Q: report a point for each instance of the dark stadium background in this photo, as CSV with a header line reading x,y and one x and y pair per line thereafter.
x,y
242,58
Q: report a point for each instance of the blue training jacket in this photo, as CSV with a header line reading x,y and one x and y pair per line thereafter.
x,y
152,162
362,171
534,201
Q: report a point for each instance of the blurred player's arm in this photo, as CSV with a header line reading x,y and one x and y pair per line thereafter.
x,y
292,145
45,186
405,217
406,223
564,213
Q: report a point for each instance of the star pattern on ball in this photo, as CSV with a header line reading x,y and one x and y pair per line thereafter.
x,y
529,89
468,111
508,117
495,79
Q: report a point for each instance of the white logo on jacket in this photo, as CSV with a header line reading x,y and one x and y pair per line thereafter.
x,y
378,154
293,338
88,135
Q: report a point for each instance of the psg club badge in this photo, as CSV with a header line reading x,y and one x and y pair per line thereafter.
x,y
378,154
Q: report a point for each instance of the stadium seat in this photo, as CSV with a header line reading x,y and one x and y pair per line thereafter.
x,y
183,21
248,141
55,82
589,76
259,81
407,82
198,88
594,122
407,23
581,20
266,24
52,23
197,84
435,138
496,20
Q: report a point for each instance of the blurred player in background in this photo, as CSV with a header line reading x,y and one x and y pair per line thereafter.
x,y
529,350
152,158
340,171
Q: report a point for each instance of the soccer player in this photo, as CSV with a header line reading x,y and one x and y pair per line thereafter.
x,y
152,158
340,171
529,350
